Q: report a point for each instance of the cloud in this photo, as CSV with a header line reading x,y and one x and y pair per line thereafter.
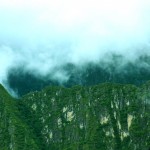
x,y
43,35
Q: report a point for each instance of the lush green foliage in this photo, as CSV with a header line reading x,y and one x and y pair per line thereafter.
x,y
14,132
102,117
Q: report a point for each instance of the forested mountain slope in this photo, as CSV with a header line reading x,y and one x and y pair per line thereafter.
x,y
103,117
14,132
116,70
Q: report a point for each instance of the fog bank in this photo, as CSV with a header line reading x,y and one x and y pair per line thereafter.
x,y
44,35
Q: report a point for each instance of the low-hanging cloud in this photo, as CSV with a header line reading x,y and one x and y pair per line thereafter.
x,y
42,35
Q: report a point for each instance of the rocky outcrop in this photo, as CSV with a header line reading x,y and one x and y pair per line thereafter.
x,y
103,117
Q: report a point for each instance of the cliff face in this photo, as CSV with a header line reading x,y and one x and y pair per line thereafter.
x,y
103,117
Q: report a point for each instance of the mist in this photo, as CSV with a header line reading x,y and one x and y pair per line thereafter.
x,y
41,36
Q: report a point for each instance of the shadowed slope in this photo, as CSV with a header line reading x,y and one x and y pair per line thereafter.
x,y
14,133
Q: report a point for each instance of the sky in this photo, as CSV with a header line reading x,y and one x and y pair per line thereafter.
x,y
42,35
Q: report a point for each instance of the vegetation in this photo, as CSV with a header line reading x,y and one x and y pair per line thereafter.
x,y
103,117
114,69
14,132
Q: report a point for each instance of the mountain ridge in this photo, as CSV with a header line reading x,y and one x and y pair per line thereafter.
x,y
108,116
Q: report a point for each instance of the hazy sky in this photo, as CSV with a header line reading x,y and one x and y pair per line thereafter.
x,y
45,34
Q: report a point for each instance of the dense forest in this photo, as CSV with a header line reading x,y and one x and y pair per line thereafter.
x,y
107,116
116,70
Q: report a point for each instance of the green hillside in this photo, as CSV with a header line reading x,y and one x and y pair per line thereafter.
x,y
14,132
102,117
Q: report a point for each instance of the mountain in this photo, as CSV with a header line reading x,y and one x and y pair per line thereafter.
x,y
116,70
107,116
14,132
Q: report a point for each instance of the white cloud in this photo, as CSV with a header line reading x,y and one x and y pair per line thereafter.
x,y
44,34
